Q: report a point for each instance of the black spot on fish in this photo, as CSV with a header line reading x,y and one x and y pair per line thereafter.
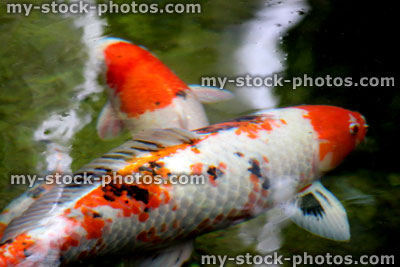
x,y
154,164
157,103
181,93
255,168
309,205
8,241
146,169
239,154
266,184
215,172
124,187
138,193
116,192
112,190
109,198
96,215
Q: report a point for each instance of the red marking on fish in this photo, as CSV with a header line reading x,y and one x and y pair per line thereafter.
x,y
322,117
130,73
197,168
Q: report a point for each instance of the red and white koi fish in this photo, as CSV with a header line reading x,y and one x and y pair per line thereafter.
x,y
251,164
146,94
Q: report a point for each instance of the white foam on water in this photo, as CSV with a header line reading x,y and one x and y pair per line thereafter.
x,y
259,53
60,127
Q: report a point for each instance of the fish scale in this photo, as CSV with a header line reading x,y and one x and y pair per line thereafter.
x,y
249,165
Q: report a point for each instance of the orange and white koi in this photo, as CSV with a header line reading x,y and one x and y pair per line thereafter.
x,y
251,164
146,94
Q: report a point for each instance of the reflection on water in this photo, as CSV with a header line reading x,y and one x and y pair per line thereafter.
x,y
259,53
59,129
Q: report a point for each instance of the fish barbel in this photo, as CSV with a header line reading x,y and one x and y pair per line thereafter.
x,y
250,164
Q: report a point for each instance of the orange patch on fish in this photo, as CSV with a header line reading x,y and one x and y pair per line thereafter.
x,y
143,217
197,168
3,227
70,241
195,150
129,199
136,163
321,117
250,125
252,198
222,165
16,250
93,225
141,81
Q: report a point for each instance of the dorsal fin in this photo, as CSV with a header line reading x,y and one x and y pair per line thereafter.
x,y
160,138
144,142
43,208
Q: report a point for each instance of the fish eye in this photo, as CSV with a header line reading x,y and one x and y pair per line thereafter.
x,y
354,127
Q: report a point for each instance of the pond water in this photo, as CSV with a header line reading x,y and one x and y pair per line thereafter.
x,y
51,96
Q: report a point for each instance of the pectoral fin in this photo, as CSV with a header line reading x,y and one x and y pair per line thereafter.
x,y
209,94
173,256
108,124
320,212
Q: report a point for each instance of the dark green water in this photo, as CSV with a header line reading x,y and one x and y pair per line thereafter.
x,y
42,61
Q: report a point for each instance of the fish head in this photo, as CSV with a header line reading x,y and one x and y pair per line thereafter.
x,y
338,132
138,81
